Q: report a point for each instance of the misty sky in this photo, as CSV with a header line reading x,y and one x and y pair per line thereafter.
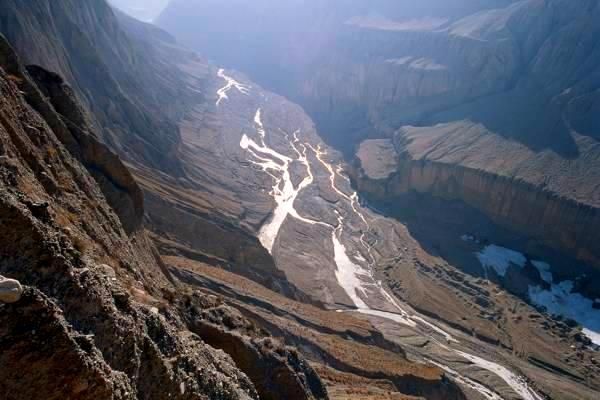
x,y
145,10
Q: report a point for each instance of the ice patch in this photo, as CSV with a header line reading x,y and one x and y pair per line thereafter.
x,y
283,191
399,318
544,270
347,272
230,84
517,383
559,300
463,380
500,258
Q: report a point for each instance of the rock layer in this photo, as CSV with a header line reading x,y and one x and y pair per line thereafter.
x,y
557,222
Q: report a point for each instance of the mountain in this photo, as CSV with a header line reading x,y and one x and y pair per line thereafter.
x,y
83,288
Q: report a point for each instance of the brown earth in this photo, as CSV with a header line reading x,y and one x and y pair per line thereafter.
x,y
351,347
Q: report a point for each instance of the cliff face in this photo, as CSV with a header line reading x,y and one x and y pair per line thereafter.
x,y
117,183
100,316
558,222
63,241
112,72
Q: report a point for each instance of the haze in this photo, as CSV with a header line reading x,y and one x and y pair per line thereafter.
x,y
144,10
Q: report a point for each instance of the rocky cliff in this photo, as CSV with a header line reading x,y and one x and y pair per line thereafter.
x,y
414,161
112,72
98,315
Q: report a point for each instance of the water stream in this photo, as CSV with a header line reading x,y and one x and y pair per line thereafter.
x,y
354,279
230,84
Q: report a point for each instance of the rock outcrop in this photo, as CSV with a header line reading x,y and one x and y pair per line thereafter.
x,y
117,183
279,372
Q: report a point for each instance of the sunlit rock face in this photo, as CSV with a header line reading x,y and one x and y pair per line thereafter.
x,y
537,194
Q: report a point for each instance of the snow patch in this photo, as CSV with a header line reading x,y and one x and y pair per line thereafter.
x,y
500,258
277,166
347,272
544,270
230,84
463,380
561,300
558,300
517,383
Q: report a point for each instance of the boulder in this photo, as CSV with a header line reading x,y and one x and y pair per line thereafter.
x,y
10,290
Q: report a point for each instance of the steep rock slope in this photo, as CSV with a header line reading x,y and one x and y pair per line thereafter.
x,y
138,85
113,73
212,212
98,304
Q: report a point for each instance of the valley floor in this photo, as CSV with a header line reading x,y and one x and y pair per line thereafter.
x,y
259,159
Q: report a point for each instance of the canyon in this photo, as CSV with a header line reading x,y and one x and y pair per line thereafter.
x,y
198,229
454,86
322,206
